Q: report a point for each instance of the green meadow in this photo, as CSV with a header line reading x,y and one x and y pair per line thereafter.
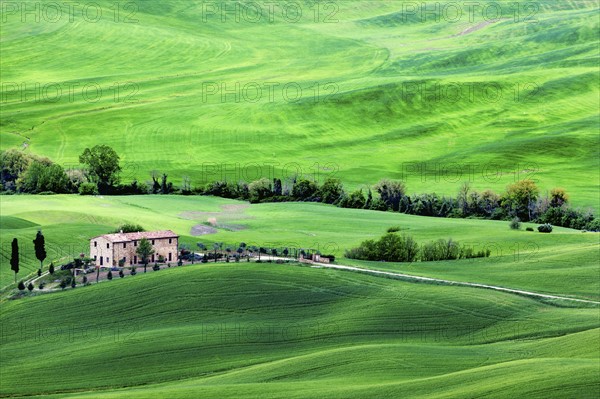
x,y
563,262
360,90
250,330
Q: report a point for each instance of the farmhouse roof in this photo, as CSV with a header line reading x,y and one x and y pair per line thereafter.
x,y
124,237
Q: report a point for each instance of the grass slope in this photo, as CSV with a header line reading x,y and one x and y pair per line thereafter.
x,y
435,102
563,262
265,330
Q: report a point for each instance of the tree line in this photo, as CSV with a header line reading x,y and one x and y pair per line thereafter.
x,y
21,172
393,247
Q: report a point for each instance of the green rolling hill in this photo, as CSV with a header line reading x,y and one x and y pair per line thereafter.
x,y
363,90
360,90
253,330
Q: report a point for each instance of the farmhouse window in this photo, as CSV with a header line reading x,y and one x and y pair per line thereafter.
x,y
124,245
107,260
107,245
169,255
170,242
95,243
95,257
153,244
152,257
135,243
135,260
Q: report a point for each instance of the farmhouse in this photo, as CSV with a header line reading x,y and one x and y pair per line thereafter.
x,y
109,249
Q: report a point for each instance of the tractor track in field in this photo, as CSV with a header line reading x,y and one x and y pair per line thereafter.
x,y
409,277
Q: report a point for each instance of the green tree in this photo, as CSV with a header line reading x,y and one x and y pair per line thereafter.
x,y
331,191
129,228
30,287
42,177
558,197
103,165
259,190
355,200
13,163
109,275
304,190
51,268
463,198
277,187
217,246
391,193
40,248
144,251
520,199
14,257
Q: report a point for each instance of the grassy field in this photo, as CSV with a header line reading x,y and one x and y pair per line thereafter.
x,y
563,262
361,91
357,89
253,331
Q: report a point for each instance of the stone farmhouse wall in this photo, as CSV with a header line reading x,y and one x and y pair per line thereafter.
x,y
108,253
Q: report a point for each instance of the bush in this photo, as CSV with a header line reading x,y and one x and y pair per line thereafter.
x,y
594,225
109,275
21,285
133,271
393,229
39,272
304,190
545,228
30,287
156,267
51,268
88,189
41,286
354,200
444,250
390,248
121,274
515,223
63,283
529,229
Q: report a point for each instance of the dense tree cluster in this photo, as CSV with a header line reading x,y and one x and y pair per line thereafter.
x,y
403,248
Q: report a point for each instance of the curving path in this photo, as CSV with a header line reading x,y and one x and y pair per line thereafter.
x,y
450,282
